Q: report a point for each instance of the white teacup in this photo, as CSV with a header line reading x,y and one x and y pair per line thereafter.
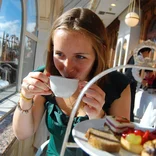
x,y
63,87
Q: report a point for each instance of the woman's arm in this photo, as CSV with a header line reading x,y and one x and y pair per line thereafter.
x,y
26,124
121,106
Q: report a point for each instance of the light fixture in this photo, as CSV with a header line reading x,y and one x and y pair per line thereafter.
x,y
113,4
132,18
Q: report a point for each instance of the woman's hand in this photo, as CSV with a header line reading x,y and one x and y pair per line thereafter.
x,y
35,83
94,99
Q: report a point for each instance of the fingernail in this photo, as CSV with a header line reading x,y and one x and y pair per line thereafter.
x,y
47,74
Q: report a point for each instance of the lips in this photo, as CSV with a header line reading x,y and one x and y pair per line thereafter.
x,y
69,76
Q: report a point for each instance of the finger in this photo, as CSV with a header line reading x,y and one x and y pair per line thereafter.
x,y
97,89
94,94
92,103
93,87
34,90
91,112
36,83
40,76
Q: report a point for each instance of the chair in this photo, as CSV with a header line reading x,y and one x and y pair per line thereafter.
x,y
41,148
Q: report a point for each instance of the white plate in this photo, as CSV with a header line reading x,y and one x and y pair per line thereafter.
x,y
80,129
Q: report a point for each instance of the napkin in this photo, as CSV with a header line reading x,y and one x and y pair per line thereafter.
x,y
149,117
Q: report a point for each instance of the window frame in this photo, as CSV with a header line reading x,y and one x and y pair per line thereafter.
x,y
24,34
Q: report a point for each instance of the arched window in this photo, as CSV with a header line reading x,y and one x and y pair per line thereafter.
x,y
18,41
10,38
30,36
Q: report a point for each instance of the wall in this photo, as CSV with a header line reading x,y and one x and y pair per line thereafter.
x,y
131,34
112,30
149,16
49,10
41,48
21,148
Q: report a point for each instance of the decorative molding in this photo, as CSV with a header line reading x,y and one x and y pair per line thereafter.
x,y
139,59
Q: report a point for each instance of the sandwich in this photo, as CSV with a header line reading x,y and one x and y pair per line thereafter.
x,y
118,124
103,140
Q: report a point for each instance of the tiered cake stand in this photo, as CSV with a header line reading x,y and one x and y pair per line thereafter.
x,y
144,63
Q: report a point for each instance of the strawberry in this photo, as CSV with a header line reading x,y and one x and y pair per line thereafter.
x,y
138,132
121,119
152,136
145,137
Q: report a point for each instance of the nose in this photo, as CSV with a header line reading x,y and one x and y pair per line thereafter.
x,y
68,67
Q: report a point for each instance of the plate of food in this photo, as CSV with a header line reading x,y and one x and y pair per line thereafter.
x,y
113,136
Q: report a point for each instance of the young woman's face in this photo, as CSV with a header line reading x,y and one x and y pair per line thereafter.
x,y
73,54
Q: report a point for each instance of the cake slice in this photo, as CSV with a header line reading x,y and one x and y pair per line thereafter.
x,y
103,140
118,124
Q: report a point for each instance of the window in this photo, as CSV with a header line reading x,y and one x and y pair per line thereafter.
x,y
31,34
15,48
29,55
10,31
31,17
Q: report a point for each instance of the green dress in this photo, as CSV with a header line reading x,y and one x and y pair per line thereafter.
x,y
56,120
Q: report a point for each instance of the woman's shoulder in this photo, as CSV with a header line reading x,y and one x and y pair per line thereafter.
x,y
116,77
116,81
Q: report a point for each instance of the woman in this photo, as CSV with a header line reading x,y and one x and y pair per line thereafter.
x,y
77,49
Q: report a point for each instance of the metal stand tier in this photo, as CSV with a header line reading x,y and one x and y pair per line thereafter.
x,y
92,81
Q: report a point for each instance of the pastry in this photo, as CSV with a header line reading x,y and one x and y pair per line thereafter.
x,y
149,148
118,124
103,140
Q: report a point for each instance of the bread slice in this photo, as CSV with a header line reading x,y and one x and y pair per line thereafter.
x,y
118,124
131,147
102,140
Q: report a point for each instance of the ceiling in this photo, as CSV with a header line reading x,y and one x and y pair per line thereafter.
x,y
109,13
102,8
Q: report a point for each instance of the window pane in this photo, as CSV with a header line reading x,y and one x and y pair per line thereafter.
x,y
10,29
31,17
29,56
